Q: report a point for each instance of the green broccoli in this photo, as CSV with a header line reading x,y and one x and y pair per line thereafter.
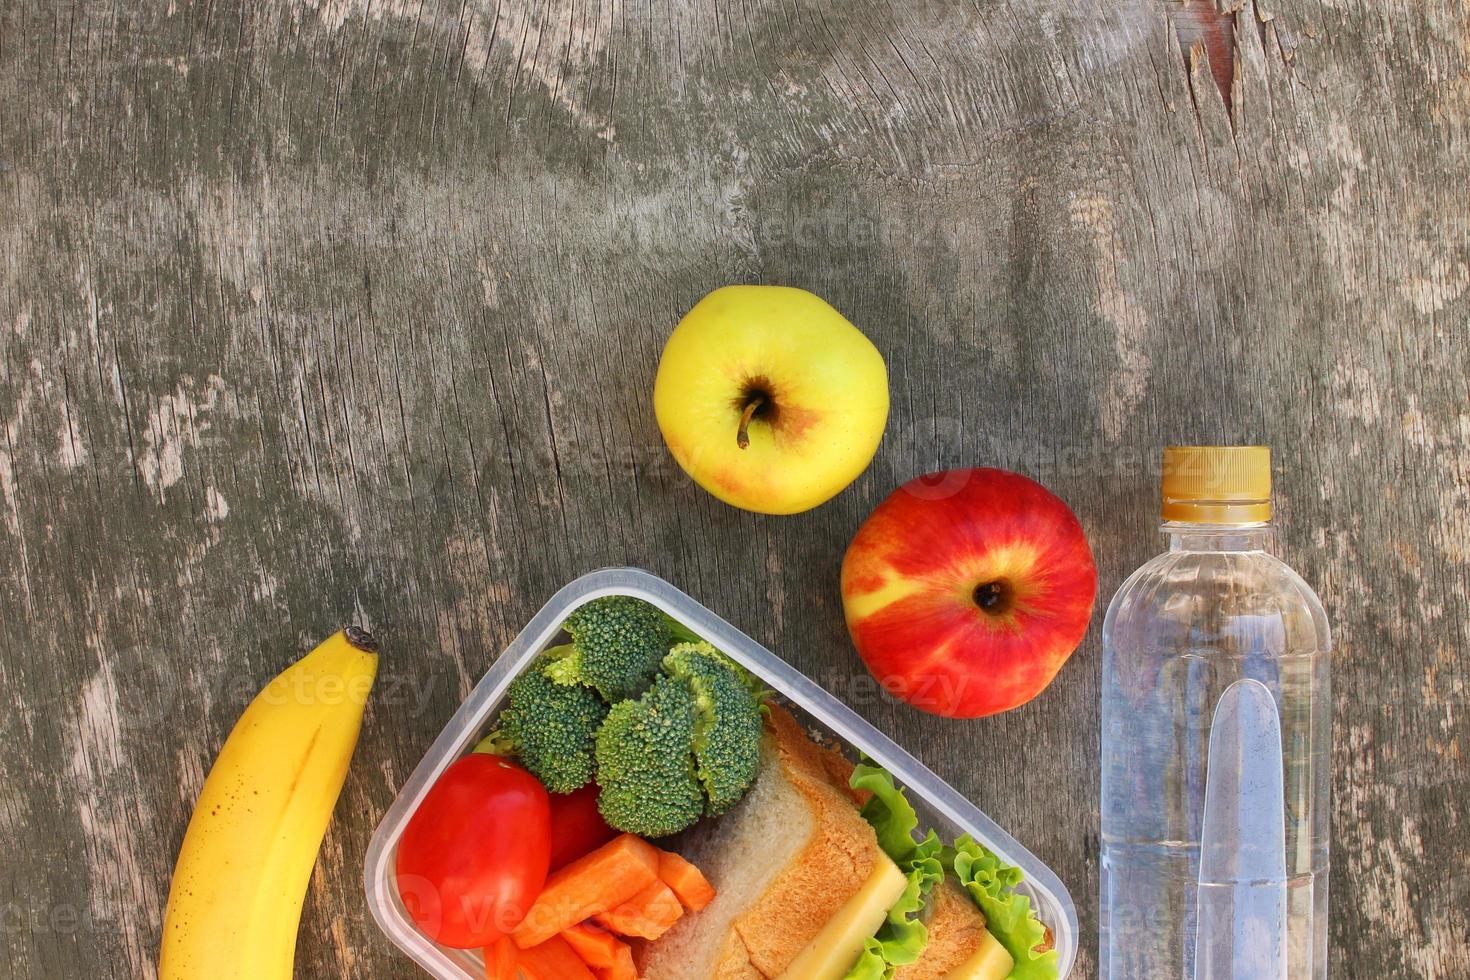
x,y
552,727
645,762
728,722
617,644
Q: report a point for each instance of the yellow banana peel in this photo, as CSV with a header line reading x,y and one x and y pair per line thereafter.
x,y
241,878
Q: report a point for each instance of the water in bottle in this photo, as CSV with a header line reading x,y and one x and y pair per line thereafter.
x,y
1216,732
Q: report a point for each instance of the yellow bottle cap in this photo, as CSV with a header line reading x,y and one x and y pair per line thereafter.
x,y
1217,484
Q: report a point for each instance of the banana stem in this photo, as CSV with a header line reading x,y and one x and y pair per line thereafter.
x,y
360,639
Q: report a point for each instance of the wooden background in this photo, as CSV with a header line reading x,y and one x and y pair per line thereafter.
x,y
348,310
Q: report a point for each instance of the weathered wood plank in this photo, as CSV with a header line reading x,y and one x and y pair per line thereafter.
x,y
336,310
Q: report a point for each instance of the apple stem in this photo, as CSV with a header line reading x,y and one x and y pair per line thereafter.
x,y
742,435
993,597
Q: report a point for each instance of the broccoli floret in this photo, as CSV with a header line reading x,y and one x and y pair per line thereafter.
x,y
617,644
727,721
645,762
553,728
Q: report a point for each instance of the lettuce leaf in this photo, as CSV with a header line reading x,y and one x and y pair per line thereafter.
x,y
870,963
901,939
1008,916
889,811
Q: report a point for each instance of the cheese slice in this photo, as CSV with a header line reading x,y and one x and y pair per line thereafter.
x,y
834,950
989,962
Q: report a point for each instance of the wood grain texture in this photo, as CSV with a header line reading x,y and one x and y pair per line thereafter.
x,y
348,310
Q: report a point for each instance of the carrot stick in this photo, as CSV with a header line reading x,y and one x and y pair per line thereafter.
x,y
598,948
500,960
623,969
647,915
685,880
595,882
553,960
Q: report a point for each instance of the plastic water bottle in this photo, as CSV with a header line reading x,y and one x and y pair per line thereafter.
x,y
1216,743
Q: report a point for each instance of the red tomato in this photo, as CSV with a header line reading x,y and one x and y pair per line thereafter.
x,y
577,827
474,855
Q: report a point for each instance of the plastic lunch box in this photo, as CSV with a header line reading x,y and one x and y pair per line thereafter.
x,y
938,804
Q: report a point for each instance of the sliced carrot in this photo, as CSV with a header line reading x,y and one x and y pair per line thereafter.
x,y
598,948
685,880
553,960
609,957
647,915
595,882
500,960
623,969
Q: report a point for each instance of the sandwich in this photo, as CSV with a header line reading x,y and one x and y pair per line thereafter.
x,y
819,874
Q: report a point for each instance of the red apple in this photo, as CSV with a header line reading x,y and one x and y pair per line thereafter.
x,y
966,591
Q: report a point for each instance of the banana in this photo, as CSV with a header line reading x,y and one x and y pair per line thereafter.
x,y
235,902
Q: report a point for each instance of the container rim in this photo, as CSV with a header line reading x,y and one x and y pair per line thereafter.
x,y
1054,905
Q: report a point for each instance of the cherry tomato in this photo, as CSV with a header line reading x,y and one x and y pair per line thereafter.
x,y
577,827
474,855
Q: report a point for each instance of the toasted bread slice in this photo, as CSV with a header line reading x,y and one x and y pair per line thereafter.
x,y
783,862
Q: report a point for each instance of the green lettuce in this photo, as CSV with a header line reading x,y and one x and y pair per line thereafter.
x,y
889,811
1008,916
901,939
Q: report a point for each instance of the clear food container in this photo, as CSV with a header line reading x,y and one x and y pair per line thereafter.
x,y
938,804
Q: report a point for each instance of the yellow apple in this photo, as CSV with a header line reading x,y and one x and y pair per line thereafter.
x,y
769,398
